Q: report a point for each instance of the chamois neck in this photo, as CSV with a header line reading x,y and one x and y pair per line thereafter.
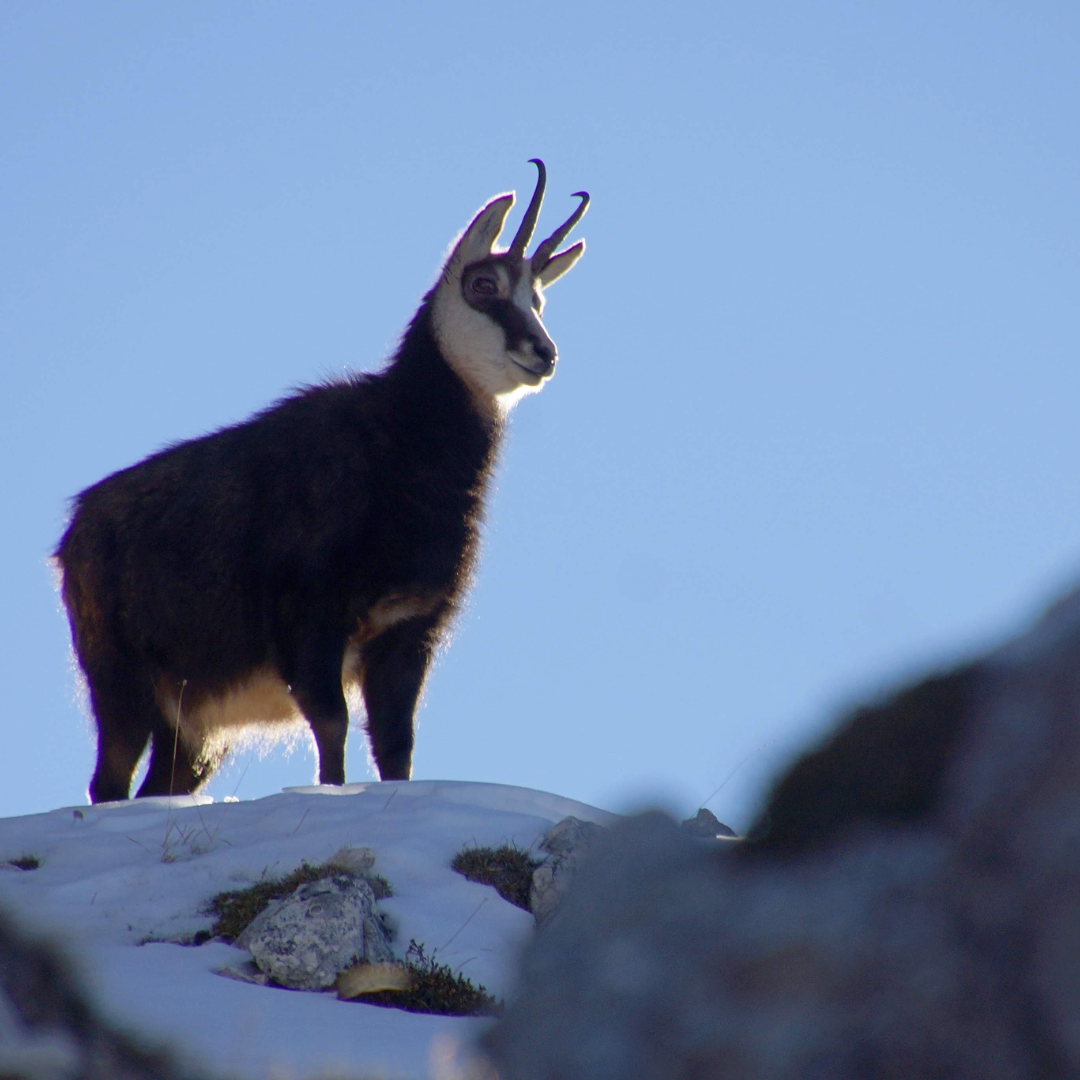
x,y
421,373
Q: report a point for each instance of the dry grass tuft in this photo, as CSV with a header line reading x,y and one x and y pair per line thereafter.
x,y
434,988
508,869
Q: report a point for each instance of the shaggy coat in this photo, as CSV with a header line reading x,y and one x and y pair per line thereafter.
x,y
335,530
258,575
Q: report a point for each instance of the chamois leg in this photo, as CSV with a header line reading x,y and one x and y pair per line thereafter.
x,y
125,709
316,688
394,667
175,768
329,723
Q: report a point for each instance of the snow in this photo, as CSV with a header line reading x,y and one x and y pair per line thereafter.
x,y
121,883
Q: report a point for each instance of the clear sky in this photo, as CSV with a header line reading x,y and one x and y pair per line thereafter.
x,y
815,423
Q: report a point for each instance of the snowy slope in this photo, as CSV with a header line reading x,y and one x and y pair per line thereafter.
x,y
114,875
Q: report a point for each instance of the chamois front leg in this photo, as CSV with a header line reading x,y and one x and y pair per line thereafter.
x,y
316,688
394,667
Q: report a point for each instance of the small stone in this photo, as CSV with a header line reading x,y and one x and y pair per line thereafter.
x,y
353,860
247,972
704,823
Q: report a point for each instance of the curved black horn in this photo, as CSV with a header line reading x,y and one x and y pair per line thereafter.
x,y
528,222
547,248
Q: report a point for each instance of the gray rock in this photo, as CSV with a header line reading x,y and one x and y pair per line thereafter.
x,y
247,972
705,823
307,939
905,907
565,844
352,860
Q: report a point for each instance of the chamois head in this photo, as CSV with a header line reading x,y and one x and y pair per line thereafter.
x,y
487,304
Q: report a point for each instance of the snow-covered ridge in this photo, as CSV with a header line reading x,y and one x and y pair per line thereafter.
x,y
119,882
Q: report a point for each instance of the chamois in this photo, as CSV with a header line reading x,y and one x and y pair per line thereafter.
x,y
261,574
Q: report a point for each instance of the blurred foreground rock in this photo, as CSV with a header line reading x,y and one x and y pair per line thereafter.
x,y
48,1029
907,906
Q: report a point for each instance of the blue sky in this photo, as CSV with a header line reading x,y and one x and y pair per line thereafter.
x,y
815,420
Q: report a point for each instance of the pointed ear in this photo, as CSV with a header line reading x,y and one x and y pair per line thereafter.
x,y
557,265
478,239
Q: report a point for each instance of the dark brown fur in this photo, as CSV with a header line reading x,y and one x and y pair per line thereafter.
x,y
273,548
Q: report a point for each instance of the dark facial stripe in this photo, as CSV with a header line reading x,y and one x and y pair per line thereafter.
x,y
514,323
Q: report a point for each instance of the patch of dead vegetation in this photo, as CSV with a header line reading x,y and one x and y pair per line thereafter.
x,y
434,988
508,869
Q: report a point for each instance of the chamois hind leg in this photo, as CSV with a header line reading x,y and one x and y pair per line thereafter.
x,y
175,768
126,711
394,667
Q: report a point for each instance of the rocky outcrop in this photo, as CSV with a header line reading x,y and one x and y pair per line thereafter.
x,y
565,845
905,907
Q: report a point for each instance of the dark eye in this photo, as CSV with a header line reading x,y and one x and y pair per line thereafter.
x,y
485,286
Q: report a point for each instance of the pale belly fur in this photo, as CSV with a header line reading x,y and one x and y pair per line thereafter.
x,y
261,706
